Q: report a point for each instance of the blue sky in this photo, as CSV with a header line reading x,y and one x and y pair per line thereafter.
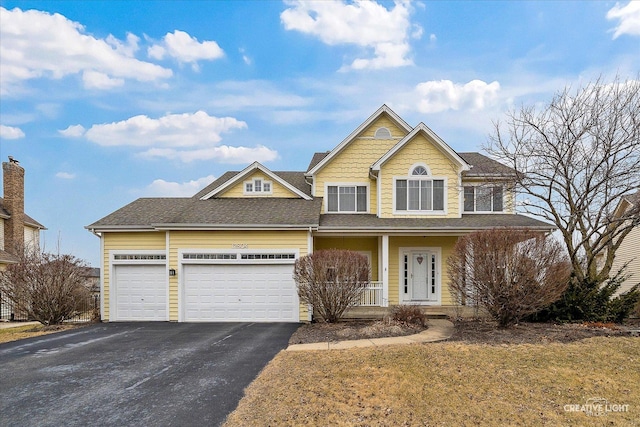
x,y
107,101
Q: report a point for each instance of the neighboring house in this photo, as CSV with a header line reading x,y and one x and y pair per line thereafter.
x,y
92,277
398,194
629,251
18,230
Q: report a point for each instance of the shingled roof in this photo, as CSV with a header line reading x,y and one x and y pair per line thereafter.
x,y
27,219
156,213
467,222
483,166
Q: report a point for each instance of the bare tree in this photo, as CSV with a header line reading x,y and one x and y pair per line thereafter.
x,y
575,158
509,273
49,288
331,281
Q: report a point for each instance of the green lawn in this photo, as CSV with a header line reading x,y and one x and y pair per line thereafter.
x,y
448,384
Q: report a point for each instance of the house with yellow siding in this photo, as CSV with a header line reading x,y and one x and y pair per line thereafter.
x,y
395,193
627,253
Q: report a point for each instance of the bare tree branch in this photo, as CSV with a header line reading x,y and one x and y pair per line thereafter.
x,y
576,157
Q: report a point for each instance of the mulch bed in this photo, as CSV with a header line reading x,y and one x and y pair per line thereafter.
x,y
466,330
352,330
487,332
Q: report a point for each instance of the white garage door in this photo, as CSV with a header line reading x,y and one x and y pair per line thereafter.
x,y
240,293
140,292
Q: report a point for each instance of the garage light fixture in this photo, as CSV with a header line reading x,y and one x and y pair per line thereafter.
x,y
172,272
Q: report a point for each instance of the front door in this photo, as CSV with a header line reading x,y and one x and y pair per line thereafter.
x,y
420,276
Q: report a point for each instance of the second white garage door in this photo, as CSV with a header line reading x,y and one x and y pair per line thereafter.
x,y
240,293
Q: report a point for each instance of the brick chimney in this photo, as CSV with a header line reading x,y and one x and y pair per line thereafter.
x,y
14,205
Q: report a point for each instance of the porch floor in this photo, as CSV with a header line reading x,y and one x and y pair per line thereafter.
x,y
356,313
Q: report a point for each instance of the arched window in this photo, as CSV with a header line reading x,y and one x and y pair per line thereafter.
x,y
419,170
382,133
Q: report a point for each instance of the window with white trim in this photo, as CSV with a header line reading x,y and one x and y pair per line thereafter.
x,y
418,194
347,198
482,198
257,186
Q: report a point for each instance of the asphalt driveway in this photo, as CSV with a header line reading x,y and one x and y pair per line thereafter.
x,y
125,374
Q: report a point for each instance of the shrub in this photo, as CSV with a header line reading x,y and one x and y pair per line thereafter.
x,y
509,273
47,287
593,302
409,315
331,281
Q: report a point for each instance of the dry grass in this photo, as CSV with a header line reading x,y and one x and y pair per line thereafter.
x,y
28,331
447,384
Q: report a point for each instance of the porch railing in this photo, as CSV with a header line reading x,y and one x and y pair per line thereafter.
x,y
372,295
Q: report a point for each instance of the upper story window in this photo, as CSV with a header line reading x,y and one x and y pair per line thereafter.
x,y
382,133
347,198
419,170
419,193
483,198
257,186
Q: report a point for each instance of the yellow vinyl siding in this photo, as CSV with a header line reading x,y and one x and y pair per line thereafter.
x,y
383,122
352,164
360,244
628,252
126,241
446,245
420,150
277,190
257,240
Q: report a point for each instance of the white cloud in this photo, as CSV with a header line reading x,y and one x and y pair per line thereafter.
x,y
65,175
185,49
73,131
362,23
628,17
35,44
223,154
186,137
162,188
436,96
247,60
10,132
97,80
171,130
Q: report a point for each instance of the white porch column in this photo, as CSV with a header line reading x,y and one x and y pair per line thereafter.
x,y
385,270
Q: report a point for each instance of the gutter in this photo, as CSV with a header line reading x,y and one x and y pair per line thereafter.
x,y
200,227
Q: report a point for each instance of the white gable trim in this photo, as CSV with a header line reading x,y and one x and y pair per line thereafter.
x,y
440,144
354,134
240,177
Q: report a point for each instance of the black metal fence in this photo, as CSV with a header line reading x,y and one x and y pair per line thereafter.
x,y
88,311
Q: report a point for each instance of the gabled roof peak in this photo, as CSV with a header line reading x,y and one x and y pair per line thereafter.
x,y
384,109
246,172
440,144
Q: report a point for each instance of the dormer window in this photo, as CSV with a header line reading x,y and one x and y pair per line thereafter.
x,y
382,133
257,186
